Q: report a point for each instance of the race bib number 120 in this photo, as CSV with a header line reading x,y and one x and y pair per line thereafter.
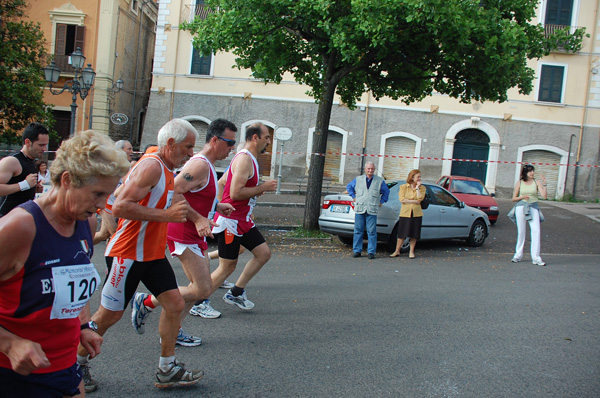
x,y
73,287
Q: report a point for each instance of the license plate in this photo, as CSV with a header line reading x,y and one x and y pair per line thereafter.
x,y
340,209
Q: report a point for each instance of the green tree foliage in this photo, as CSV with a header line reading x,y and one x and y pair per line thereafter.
x,y
22,49
401,49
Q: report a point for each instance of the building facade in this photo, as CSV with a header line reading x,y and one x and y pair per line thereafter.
x,y
117,39
555,127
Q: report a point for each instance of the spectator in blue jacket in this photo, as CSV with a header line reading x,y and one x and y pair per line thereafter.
x,y
369,193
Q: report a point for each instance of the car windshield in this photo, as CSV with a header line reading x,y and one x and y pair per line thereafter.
x,y
469,187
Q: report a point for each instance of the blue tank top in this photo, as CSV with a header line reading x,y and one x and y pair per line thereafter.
x,y
42,301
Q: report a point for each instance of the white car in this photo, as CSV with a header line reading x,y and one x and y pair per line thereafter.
x,y
445,218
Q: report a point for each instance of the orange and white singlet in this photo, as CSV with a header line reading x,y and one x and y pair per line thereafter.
x,y
145,240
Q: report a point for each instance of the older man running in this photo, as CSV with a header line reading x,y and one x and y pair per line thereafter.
x,y
145,205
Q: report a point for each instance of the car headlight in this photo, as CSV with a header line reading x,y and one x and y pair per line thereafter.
x,y
493,207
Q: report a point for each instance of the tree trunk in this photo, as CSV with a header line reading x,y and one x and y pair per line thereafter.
x,y
314,185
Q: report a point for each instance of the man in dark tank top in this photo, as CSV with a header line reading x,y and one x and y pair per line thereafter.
x,y
18,174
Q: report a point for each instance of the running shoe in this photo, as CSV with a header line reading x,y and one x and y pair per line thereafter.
x,y
227,285
178,375
515,260
241,301
205,310
539,262
187,340
89,384
139,312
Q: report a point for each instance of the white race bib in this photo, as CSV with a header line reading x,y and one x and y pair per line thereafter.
x,y
73,287
169,199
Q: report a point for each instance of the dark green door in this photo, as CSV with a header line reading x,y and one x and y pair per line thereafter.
x,y
474,145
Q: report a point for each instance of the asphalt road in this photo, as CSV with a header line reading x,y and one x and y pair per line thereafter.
x,y
455,322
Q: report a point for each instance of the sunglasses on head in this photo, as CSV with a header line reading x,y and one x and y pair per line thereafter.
x,y
229,142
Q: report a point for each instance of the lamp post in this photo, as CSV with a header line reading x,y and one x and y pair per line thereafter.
x,y
81,83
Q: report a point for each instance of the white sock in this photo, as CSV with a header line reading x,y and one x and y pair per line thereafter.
x,y
82,360
165,363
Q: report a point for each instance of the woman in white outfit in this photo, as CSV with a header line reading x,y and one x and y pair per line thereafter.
x,y
527,192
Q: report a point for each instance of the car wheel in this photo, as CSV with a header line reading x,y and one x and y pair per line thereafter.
x,y
394,239
346,240
478,234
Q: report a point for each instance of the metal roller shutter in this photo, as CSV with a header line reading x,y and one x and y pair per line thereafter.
x,y
395,168
549,171
333,155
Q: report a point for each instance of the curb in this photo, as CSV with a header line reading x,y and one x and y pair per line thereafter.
x,y
271,227
279,204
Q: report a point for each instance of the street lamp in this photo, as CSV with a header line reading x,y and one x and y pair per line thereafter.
x,y
81,83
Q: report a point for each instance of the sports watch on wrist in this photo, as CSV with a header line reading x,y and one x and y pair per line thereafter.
x,y
90,325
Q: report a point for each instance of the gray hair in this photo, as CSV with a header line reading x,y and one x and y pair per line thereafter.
x,y
121,144
368,163
177,129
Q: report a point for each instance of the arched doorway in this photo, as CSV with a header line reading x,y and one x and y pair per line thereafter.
x,y
548,161
200,123
333,155
471,144
337,140
401,154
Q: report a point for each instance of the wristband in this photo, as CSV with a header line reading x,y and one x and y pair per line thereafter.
x,y
24,185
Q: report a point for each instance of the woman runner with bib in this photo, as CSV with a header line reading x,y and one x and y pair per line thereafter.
x,y
46,273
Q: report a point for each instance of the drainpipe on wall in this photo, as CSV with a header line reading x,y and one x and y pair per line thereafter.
x,y
569,158
585,104
364,145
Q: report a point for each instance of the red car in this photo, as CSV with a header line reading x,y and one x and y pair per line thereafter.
x,y
471,191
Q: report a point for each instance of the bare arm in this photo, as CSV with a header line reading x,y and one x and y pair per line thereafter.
x,y
222,182
542,187
17,231
141,181
242,170
516,197
89,339
9,168
194,175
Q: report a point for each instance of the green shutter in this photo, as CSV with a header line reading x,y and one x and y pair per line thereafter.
x,y
551,82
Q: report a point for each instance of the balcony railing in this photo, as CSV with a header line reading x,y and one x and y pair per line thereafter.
x,y
550,29
62,61
191,11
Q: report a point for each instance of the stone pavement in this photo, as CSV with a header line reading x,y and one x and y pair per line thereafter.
x,y
591,210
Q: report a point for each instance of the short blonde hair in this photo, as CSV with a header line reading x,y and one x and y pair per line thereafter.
x,y
87,156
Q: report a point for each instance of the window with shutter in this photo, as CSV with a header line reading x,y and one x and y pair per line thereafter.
x,y
559,12
200,64
68,39
551,83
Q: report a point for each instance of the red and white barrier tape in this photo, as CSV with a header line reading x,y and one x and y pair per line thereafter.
x,y
442,159
406,157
